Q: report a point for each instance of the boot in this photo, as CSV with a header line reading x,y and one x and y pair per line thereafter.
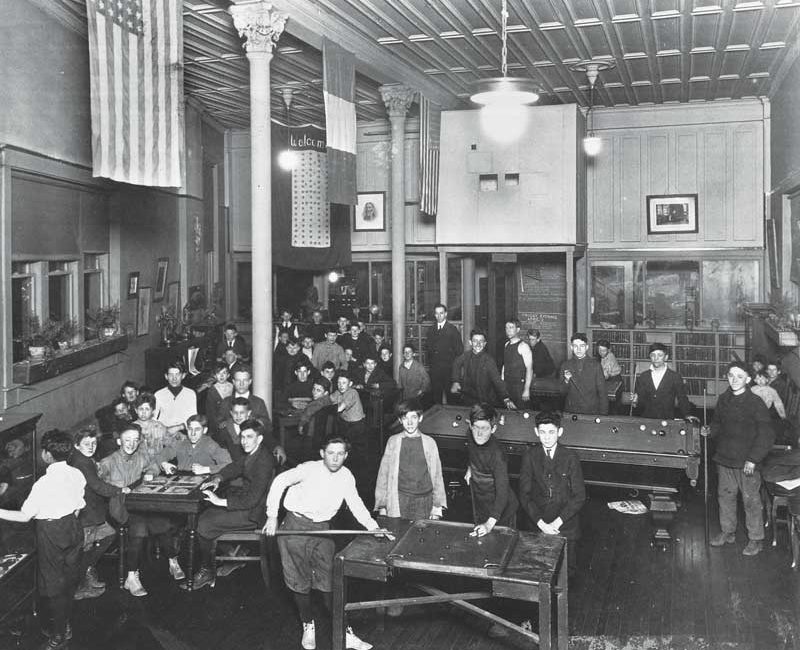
x,y
93,580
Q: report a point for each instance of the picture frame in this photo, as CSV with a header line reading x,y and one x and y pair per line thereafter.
x,y
143,311
669,214
161,279
133,284
370,212
174,298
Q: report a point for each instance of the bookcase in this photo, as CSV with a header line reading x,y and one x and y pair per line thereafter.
x,y
700,357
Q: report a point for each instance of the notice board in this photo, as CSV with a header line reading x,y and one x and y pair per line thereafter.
x,y
542,301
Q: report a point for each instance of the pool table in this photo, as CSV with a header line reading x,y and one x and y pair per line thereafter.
x,y
619,440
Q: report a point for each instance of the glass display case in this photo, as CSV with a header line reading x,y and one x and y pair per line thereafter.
x,y
19,467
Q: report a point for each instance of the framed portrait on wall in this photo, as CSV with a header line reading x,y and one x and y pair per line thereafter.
x,y
133,284
669,214
174,298
143,311
161,278
370,212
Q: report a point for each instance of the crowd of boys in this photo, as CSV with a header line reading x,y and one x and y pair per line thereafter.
x,y
80,501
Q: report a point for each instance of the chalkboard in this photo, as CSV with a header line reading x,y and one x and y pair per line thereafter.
x,y
542,302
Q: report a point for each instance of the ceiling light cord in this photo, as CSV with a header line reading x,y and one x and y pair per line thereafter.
x,y
504,37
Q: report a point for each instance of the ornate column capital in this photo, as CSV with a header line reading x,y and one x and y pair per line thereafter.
x,y
259,24
398,98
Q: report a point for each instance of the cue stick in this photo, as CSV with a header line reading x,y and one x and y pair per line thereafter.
x,y
705,465
378,531
634,377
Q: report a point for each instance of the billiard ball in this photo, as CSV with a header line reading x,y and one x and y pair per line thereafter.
x,y
526,415
597,420
614,429
653,432
455,424
661,432
458,418
682,432
574,418
682,451
642,427
663,423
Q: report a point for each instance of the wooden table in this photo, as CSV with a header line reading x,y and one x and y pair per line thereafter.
x,y
164,500
535,571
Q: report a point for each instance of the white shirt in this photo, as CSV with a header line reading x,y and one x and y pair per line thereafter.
x,y
657,374
317,493
56,494
172,409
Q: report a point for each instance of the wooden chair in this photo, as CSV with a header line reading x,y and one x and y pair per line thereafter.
x,y
248,535
777,497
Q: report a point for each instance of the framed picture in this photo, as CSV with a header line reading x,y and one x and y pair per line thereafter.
x,y
174,298
370,212
143,311
772,256
161,278
133,284
671,213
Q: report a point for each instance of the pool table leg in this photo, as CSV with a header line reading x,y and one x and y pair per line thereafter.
x,y
545,616
339,600
562,604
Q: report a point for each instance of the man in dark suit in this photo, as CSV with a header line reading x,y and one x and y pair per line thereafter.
x,y
475,375
242,506
660,391
242,380
232,340
444,346
582,380
543,365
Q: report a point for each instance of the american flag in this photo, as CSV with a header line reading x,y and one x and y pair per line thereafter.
x,y
430,125
135,62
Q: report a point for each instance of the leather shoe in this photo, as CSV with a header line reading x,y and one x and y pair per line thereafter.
x,y
753,547
202,578
722,539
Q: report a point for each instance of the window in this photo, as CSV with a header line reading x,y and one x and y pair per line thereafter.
x,y
671,293
21,306
94,268
422,289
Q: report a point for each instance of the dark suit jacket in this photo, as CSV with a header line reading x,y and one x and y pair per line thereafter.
x,y
256,472
239,347
543,365
227,437
444,345
96,493
661,403
552,488
385,383
586,391
258,409
479,378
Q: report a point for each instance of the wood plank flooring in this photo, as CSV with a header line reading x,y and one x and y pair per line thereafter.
x,y
626,595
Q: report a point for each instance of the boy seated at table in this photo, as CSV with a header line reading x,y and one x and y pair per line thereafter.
x,y
551,488
98,534
242,507
197,453
123,468
228,431
154,434
54,502
314,493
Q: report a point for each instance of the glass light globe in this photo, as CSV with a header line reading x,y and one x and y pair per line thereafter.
x,y
333,276
592,145
287,160
504,122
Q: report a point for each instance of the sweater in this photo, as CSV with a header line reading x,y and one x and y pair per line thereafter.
x,y
586,389
413,381
386,493
97,491
742,429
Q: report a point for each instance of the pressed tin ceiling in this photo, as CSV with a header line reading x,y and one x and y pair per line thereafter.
x,y
665,51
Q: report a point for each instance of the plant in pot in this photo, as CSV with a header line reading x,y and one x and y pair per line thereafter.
x,y
105,320
65,335
39,338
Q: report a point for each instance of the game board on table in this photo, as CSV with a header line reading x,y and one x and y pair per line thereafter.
x,y
168,485
447,547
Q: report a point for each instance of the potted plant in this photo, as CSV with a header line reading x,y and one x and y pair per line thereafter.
x,y
66,332
105,320
39,338
167,321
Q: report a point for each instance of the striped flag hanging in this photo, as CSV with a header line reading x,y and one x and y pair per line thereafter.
x,y
430,128
339,90
135,63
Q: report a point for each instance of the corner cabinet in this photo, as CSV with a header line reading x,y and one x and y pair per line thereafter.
x,y
699,356
19,468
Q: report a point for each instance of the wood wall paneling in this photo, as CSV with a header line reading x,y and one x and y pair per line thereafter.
x,y
717,154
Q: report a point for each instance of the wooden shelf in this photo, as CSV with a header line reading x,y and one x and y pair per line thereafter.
x,y
30,372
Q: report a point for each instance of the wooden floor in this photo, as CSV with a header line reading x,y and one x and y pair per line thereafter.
x,y
625,594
